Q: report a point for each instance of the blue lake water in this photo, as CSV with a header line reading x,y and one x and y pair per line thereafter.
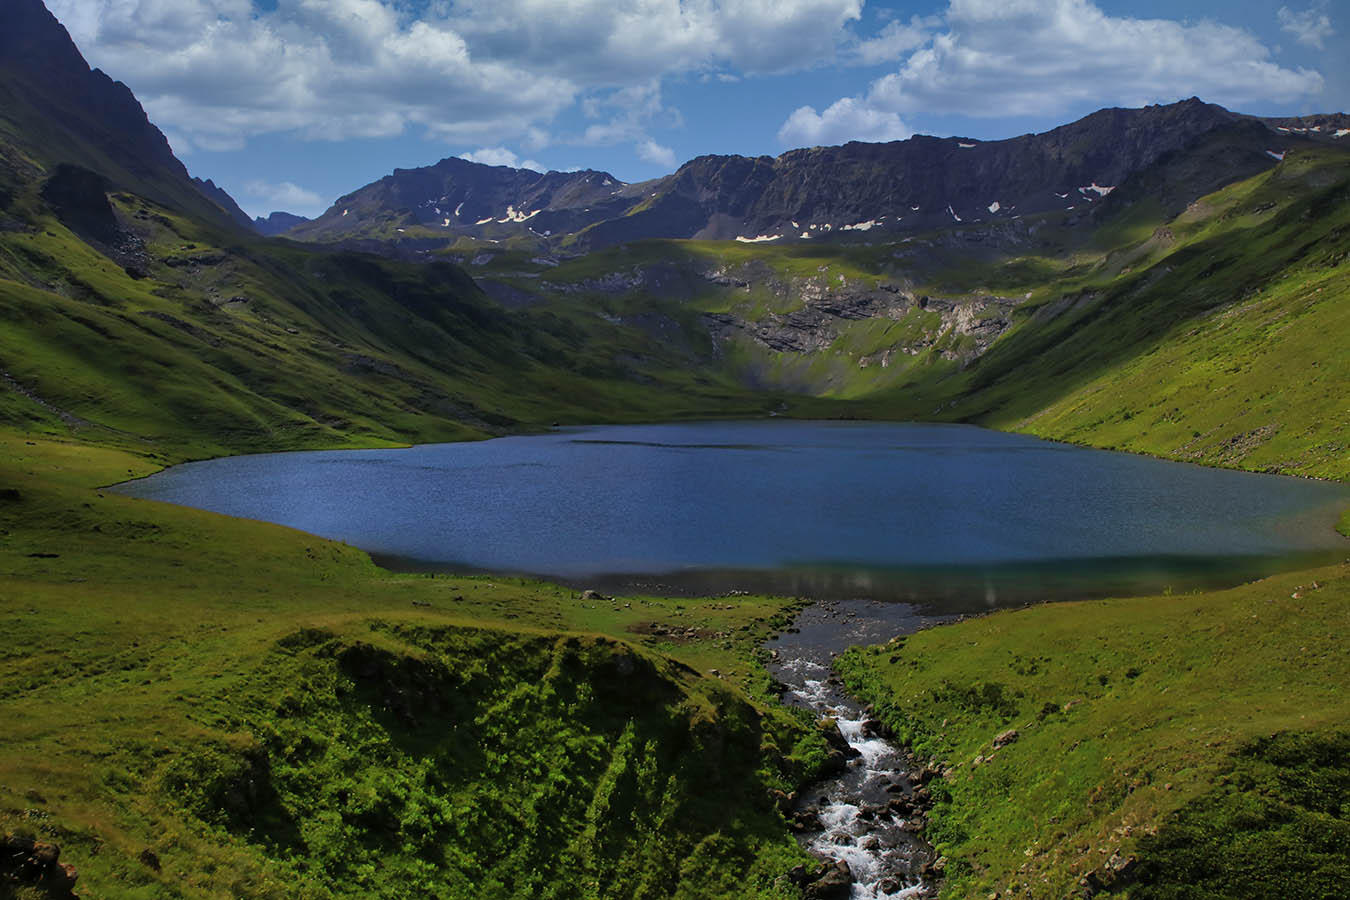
x,y
893,511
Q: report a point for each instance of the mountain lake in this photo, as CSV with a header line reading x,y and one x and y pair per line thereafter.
x,y
952,517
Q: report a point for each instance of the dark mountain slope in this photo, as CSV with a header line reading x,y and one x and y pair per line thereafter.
x,y
54,109
220,197
457,196
929,182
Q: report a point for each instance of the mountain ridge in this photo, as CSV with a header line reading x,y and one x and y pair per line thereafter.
x,y
900,187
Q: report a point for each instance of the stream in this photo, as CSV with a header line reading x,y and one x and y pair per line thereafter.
x,y
870,814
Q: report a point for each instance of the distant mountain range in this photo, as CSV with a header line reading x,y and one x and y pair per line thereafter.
x,y
920,184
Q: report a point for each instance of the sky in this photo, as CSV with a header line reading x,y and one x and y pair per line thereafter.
x,y
289,104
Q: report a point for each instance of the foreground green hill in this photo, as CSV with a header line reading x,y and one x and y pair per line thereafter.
x,y
197,706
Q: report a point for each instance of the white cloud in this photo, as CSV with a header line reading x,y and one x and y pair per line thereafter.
x,y
655,154
1041,56
262,198
620,41
500,156
629,114
536,139
1311,27
895,40
844,120
216,72
1046,57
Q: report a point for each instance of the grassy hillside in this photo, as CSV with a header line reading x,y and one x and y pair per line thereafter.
x,y
1213,341
216,347
196,706
1179,746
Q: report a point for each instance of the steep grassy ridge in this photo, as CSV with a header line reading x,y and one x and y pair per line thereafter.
x,y
1217,349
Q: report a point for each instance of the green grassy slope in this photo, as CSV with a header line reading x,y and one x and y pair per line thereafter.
x,y
1143,726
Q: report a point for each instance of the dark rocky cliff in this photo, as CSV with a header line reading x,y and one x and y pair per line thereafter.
x,y
278,223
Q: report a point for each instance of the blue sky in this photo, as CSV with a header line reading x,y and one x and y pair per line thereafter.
x,y
288,104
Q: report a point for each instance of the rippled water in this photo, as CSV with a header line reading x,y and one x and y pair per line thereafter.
x,y
899,511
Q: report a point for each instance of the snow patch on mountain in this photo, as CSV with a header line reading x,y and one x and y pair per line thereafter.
x,y
516,215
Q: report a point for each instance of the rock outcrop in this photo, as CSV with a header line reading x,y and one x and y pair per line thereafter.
x,y
35,865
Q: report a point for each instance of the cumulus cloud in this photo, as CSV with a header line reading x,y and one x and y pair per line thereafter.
x,y
217,74
849,119
655,154
618,41
1311,27
895,40
475,72
500,156
262,198
1045,57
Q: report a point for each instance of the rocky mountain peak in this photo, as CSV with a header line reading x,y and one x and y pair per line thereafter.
x,y
63,112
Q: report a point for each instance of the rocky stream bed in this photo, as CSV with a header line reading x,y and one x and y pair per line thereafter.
x,y
867,819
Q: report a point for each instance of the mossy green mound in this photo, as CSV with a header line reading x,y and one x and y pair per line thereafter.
x,y
1277,824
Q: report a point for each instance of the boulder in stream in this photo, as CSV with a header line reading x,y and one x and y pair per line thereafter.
x,y
835,884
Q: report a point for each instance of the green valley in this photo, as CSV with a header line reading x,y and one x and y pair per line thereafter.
x,y
197,706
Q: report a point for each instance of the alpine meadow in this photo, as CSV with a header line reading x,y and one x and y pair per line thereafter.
x,y
206,706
